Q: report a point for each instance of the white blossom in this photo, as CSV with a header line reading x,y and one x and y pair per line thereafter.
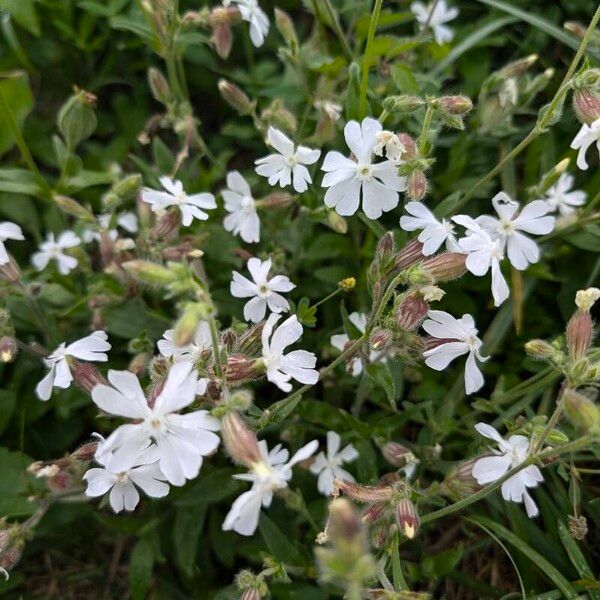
x,y
328,466
287,164
562,197
588,134
138,470
91,348
182,440
53,249
459,337
242,219
272,473
280,367
127,220
350,178
483,254
8,231
262,290
174,195
331,109
252,13
389,142
436,15
532,218
190,353
510,453
434,233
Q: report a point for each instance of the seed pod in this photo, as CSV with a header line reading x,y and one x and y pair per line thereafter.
x,y
411,312
362,493
235,97
159,86
579,334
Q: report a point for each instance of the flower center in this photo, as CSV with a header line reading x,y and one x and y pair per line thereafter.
x,y
122,477
507,227
247,202
263,290
291,160
364,171
447,225
180,197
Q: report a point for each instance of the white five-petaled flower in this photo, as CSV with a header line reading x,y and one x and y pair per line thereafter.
x,y
127,220
272,473
483,254
587,135
511,453
280,367
242,219
174,195
181,440
328,466
436,15
252,13
8,231
533,218
349,178
190,353
434,233
262,291
139,470
562,197
54,248
91,348
459,337
287,165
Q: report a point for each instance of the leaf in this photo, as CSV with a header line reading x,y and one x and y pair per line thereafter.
x,y
307,314
279,545
537,559
189,523
380,373
24,13
14,484
404,79
353,92
17,93
140,568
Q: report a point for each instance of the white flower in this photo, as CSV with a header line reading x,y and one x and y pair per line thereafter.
x,y
267,476
390,143
255,16
484,254
140,470
8,231
53,249
459,336
588,134
181,440
441,15
298,364
331,109
562,197
243,219
190,353
127,220
288,165
533,218
434,233
190,206
262,290
328,465
349,178
511,453
91,348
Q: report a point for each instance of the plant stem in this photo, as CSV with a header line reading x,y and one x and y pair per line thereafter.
x,y
424,137
336,27
578,444
553,419
329,297
214,338
367,58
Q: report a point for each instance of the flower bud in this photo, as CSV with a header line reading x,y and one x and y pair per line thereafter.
x,y
380,339
411,254
278,115
181,251
250,594
576,28
362,493
518,66
344,525
73,208
337,222
220,15
396,454
583,413
187,324
149,272
445,267
77,118
235,97
86,452
403,104
411,312
86,375
277,200
222,39
347,284
240,368
579,334
453,105
251,586
586,104
416,185
286,28
460,481
8,348
10,271
240,442
407,518
540,349
374,513
166,227
410,146
578,527
159,86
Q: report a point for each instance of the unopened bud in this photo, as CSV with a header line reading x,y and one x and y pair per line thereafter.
x,y
77,118
86,452
73,208
586,104
222,39
251,586
187,324
86,375
167,226
411,312
10,271
337,222
123,190
286,28
411,254
407,518
445,267
540,349
380,339
396,454
518,66
344,526
159,86
347,284
149,272
240,368
579,334
410,146
375,512
362,493
578,526
454,105
220,15
235,97
403,104
277,200
416,185
585,299
250,594
279,116
8,348
240,442
385,247
576,28
583,413
460,481
184,250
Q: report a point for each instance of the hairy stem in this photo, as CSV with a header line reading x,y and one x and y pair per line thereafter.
x,y
367,58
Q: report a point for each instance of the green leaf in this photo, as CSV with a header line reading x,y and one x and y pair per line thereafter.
x,y
17,93
353,92
140,568
404,79
279,545
24,13
380,373
307,314
189,523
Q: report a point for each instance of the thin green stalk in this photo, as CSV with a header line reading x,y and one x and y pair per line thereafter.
x,y
424,137
214,338
336,27
367,58
9,118
578,444
553,419
329,297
